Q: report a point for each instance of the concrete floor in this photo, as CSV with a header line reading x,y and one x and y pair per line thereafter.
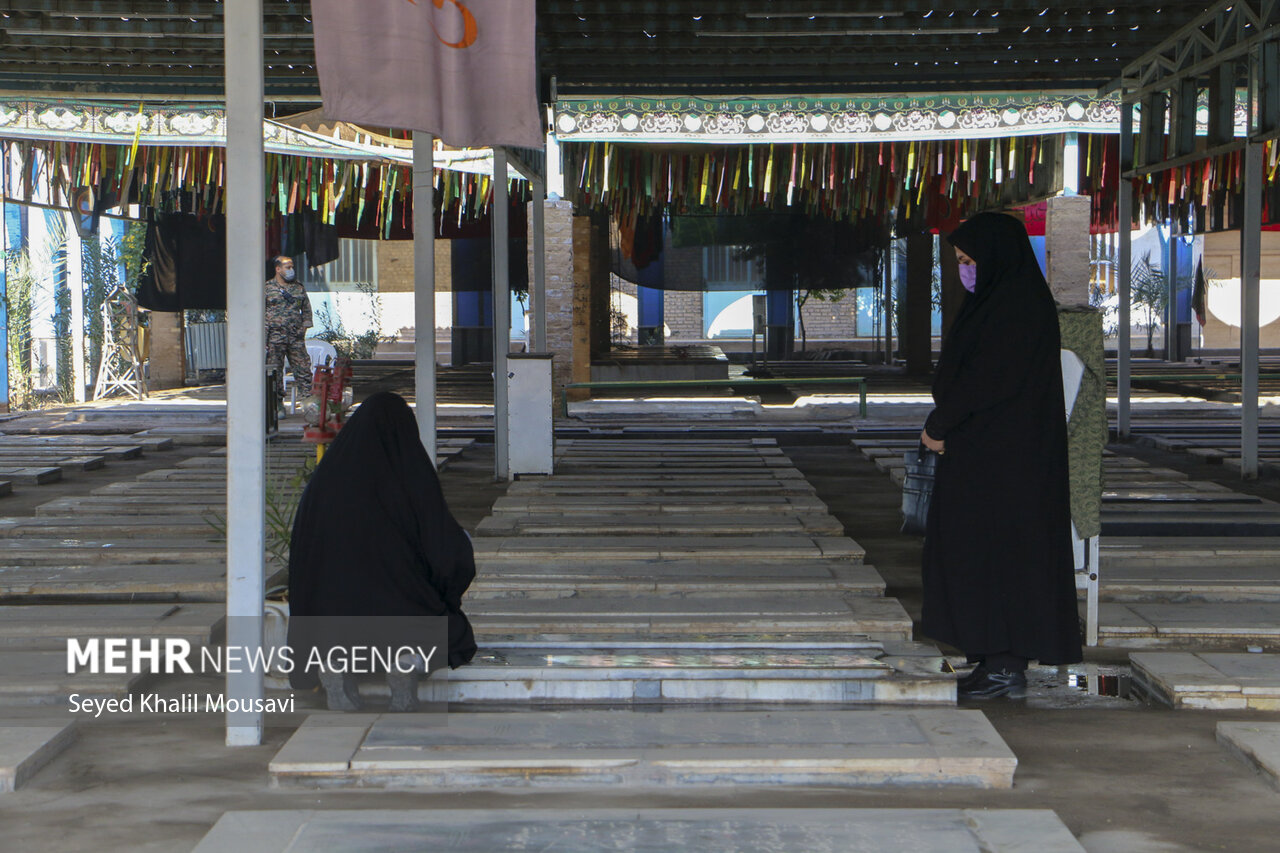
x,y
1121,775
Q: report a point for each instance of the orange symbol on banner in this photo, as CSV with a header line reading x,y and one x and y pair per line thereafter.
x,y
470,31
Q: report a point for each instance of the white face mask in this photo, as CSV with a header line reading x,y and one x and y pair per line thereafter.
x,y
969,276
289,275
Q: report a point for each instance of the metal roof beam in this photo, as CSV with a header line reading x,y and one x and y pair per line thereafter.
x,y
135,28
143,8
1230,40
28,56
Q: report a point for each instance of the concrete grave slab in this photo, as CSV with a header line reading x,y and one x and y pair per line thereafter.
x,y
145,505
64,461
522,578
768,547
675,523
113,447
1209,680
38,680
100,550
181,581
26,749
695,672
643,831
1257,744
31,476
645,487
553,749
47,626
196,525
642,616
1196,625
623,504
1170,577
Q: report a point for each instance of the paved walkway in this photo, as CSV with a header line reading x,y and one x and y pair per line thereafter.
x,y
1122,775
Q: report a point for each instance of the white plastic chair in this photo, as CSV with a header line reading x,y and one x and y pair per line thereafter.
x,y
318,351
1085,550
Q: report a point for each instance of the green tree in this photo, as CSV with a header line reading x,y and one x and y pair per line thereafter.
x,y
1149,292
821,294
21,284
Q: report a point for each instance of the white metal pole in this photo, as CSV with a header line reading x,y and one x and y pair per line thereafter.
x,y
1171,299
1071,164
555,167
539,299
4,295
1124,261
424,290
501,313
246,358
75,287
1250,288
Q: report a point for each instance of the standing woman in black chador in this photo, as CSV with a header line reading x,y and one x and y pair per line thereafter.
x,y
374,537
998,568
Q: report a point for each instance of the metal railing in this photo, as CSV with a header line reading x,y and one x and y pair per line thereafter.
x,y
206,345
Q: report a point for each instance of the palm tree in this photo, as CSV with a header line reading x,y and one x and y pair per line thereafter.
x,y
1150,291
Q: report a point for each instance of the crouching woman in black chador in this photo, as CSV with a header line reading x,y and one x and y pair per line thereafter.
x,y
998,568
374,539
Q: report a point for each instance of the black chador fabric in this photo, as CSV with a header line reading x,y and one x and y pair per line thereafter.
x,y
374,537
320,241
998,566
186,263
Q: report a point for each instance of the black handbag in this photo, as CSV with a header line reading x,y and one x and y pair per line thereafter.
x,y
917,489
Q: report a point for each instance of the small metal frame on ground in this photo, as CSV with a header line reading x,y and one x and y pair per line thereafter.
x,y
120,369
654,384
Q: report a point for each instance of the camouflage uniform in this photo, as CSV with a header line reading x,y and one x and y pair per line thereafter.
x,y
288,318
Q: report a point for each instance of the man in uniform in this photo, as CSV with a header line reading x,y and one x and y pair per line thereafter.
x,y
288,318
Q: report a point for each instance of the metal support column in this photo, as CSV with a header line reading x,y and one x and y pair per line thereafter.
x,y
501,313
4,315
1071,164
424,291
1125,262
539,297
75,289
246,361
889,288
1171,352
1250,287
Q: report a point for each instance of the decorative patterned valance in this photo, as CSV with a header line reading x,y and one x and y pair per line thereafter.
x,y
74,121
799,119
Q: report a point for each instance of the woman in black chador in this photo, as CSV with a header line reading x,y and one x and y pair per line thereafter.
x,y
998,568
374,538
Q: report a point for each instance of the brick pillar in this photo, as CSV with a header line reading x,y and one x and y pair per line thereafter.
x,y
559,282
168,358
682,314
590,311
577,293
1067,249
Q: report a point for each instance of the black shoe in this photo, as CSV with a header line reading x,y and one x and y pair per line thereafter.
x,y
970,678
404,691
995,684
341,691
402,680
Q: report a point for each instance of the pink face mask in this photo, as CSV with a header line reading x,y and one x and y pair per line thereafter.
x,y
969,276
